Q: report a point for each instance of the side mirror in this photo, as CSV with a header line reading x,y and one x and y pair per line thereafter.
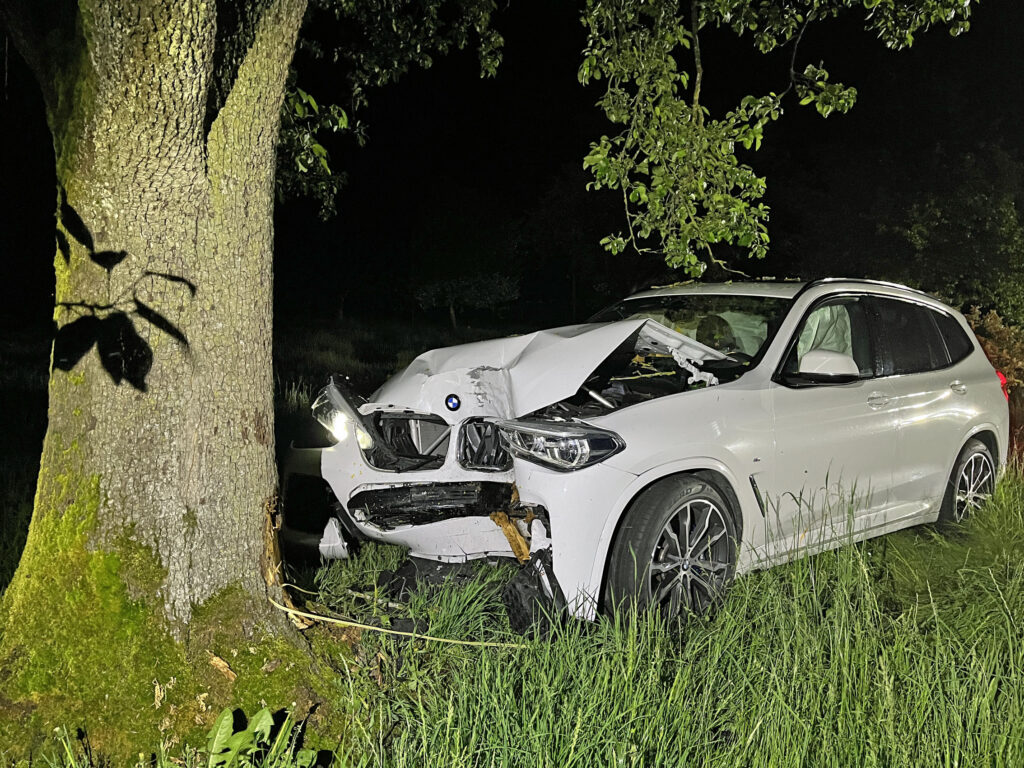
x,y
823,366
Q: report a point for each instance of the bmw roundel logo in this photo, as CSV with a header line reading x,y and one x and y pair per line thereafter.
x,y
452,402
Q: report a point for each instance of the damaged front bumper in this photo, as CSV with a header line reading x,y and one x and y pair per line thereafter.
x,y
451,512
413,479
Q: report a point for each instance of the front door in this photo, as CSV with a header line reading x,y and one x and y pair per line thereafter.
x,y
835,444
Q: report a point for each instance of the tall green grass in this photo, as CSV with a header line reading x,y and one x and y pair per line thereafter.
x,y
903,650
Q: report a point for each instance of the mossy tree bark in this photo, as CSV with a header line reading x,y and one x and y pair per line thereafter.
x,y
158,470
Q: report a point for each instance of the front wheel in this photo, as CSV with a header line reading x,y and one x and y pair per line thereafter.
x,y
972,482
676,549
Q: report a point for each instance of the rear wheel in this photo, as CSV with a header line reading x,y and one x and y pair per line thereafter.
x,y
972,482
676,549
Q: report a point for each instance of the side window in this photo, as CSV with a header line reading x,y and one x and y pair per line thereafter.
x,y
958,343
912,340
836,325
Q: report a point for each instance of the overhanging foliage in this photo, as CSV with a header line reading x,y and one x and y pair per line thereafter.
x,y
683,186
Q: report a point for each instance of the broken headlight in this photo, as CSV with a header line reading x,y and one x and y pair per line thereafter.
x,y
339,418
561,446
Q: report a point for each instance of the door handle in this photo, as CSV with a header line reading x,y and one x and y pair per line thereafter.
x,y
958,387
878,400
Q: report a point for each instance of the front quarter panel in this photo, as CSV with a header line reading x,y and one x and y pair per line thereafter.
x,y
731,422
725,429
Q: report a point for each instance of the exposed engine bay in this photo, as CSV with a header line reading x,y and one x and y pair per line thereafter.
x,y
639,370
647,361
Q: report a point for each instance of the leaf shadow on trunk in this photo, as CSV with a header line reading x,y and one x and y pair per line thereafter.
x,y
110,326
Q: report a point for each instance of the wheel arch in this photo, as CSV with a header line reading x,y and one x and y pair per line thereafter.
x,y
986,433
710,471
987,436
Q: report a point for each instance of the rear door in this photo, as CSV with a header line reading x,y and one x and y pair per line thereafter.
x,y
835,444
923,357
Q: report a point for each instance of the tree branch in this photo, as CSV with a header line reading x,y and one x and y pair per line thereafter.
x,y
698,66
792,58
235,34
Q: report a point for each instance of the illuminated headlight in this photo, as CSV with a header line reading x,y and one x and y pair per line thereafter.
x,y
338,418
564,447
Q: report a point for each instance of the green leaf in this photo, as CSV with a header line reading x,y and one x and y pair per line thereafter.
x,y
261,725
218,736
241,743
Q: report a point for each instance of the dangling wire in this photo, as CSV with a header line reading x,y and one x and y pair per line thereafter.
x,y
370,628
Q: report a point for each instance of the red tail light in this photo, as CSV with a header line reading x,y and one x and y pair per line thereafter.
x,y
1002,383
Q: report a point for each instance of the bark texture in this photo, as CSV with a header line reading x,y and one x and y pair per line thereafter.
x,y
159,448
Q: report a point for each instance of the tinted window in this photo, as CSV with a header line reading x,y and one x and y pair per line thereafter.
x,y
958,343
911,339
836,325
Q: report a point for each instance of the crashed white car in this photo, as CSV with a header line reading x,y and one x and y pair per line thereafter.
x,y
683,436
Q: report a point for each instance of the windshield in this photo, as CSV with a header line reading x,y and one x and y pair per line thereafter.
x,y
727,322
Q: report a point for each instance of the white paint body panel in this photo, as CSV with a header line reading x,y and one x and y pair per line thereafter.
x,y
888,444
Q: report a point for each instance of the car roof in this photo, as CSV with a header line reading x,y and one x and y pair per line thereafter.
x,y
784,289
778,289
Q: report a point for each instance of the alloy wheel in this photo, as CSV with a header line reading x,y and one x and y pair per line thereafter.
x,y
692,560
974,485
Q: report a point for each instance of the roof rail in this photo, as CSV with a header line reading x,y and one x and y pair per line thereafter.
x,y
862,280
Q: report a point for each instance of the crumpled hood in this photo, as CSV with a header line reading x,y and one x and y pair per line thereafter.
x,y
514,376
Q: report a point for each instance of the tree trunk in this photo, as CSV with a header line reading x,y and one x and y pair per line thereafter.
x,y
451,315
157,474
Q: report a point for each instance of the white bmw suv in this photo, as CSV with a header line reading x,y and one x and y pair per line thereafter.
x,y
685,435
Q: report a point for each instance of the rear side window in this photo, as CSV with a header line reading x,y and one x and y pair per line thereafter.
x,y
958,343
911,340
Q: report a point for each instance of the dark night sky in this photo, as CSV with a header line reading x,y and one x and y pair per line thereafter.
x,y
455,157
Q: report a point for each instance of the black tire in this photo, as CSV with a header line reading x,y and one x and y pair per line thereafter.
x,y
647,567
971,483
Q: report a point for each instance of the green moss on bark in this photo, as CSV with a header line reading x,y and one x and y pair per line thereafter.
x,y
76,648
85,643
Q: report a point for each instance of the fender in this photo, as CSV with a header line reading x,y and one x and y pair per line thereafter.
x,y
749,506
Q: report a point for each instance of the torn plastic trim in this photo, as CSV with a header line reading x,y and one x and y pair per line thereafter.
x,y
419,438
533,598
481,447
387,437
420,503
